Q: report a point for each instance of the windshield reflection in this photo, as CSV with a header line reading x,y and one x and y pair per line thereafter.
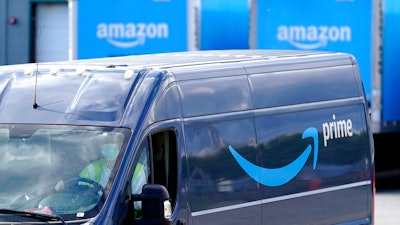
x,y
43,167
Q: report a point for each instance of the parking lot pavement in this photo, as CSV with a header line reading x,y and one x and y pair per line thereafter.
x,y
387,207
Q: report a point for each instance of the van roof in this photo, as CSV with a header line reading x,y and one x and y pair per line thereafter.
x,y
190,58
98,91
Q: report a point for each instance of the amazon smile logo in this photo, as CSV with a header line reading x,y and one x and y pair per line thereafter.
x,y
279,176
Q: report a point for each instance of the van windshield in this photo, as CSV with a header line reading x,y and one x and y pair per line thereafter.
x,y
60,170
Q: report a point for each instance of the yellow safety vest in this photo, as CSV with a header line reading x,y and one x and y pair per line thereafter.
x,y
93,170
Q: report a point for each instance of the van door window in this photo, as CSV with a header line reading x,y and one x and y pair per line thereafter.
x,y
164,163
142,170
157,165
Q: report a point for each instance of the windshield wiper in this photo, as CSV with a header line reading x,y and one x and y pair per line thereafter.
x,y
39,216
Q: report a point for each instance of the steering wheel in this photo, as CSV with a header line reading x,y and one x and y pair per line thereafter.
x,y
78,194
80,183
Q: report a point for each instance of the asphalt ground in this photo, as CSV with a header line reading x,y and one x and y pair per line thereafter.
x,y
387,207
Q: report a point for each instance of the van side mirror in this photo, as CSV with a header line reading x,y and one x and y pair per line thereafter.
x,y
156,206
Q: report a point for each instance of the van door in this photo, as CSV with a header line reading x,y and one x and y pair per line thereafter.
x,y
158,161
220,191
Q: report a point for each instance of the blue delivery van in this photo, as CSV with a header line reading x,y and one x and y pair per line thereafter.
x,y
202,137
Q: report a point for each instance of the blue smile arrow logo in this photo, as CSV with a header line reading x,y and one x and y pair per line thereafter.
x,y
279,176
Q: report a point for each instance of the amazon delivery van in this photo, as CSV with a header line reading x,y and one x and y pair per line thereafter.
x,y
187,138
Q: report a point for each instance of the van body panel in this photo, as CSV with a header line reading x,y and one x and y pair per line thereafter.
x,y
325,167
234,136
167,106
218,185
284,85
196,96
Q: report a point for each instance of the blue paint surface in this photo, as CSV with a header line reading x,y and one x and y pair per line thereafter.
x,y
110,28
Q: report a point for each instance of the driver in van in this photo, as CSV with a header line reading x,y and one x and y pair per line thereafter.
x,y
98,171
